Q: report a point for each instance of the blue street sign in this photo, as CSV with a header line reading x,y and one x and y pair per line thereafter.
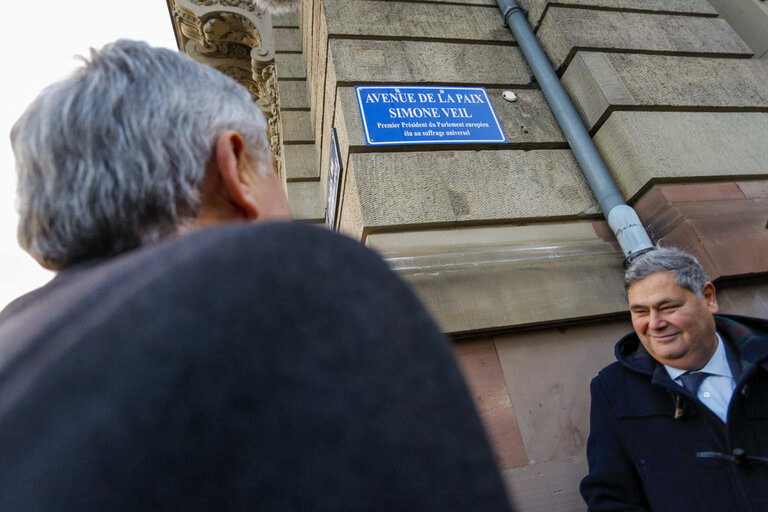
x,y
334,172
427,115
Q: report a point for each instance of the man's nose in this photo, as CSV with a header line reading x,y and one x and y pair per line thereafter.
x,y
657,320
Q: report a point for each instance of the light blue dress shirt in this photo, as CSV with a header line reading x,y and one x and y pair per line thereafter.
x,y
716,389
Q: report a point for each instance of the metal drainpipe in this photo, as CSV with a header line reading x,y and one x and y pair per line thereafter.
x,y
622,218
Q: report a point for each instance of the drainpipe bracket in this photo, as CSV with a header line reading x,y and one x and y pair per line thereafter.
x,y
510,11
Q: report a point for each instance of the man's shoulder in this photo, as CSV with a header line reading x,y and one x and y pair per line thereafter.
x,y
254,266
615,373
226,248
633,365
740,326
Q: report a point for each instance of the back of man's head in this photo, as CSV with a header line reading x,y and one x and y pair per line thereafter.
x,y
688,272
115,156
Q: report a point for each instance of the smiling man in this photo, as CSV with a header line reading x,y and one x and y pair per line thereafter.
x,y
680,422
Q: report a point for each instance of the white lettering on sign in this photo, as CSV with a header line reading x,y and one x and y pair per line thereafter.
x,y
427,115
399,97
431,112
418,112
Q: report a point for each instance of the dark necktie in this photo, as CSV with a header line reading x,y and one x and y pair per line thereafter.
x,y
692,381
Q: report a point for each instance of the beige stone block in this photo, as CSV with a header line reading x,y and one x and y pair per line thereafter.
x,y
467,2
527,122
297,127
290,66
350,213
549,486
290,20
398,189
754,189
479,279
750,20
443,188
642,147
663,80
306,200
293,95
565,31
326,128
595,87
287,40
548,374
600,83
410,19
306,17
301,162
537,8
415,62
318,78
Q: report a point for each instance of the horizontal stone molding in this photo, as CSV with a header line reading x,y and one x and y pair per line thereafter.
x,y
601,83
563,32
497,278
641,148
538,8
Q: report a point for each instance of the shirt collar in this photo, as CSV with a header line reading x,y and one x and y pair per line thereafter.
x,y
717,365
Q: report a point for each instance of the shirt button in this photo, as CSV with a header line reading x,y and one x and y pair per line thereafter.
x,y
706,394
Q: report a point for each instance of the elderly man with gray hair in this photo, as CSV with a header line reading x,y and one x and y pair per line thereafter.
x,y
185,358
680,422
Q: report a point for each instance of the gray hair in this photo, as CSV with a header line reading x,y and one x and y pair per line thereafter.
x,y
115,155
688,272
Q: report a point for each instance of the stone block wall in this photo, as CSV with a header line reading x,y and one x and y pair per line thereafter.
x,y
505,243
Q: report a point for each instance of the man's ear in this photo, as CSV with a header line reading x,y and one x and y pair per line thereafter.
x,y
235,172
710,298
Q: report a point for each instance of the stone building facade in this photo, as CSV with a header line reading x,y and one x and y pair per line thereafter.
x,y
505,243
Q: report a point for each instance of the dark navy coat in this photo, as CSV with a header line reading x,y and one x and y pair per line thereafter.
x,y
654,446
278,367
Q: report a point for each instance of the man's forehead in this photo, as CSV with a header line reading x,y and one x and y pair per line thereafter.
x,y
656,287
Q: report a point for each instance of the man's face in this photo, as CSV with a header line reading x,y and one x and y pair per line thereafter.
x,y
674,325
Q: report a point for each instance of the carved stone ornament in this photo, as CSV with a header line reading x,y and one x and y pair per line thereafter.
x,y
270,6
234,37
240,4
